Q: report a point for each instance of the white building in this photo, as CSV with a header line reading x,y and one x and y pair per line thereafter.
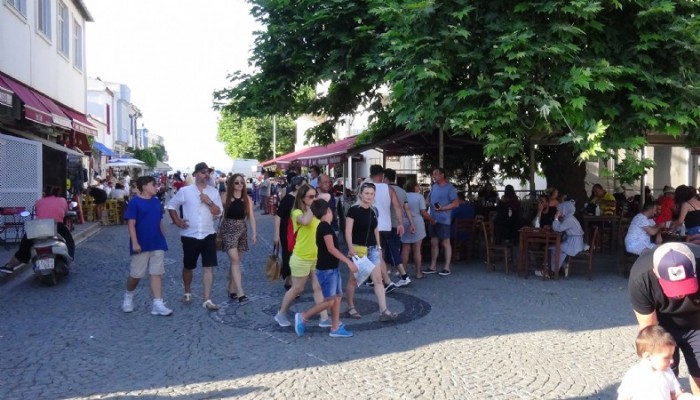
x,y
44,129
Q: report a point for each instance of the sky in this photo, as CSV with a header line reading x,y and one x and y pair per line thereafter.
x,y
172,54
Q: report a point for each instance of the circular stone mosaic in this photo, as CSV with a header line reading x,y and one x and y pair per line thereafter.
x,y
259,312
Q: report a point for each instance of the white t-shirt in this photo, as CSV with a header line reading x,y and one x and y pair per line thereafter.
x,y
637,239
642,382
382,201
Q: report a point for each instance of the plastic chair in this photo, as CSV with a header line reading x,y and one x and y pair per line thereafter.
x,y
112,212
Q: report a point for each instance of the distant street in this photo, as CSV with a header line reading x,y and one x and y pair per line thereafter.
x,y
472,335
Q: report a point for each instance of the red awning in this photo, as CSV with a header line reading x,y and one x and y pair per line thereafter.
x,y
332,154
5,93
34,110
80,122
58,117
287,158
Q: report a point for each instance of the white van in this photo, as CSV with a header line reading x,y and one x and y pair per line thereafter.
x,y
248,167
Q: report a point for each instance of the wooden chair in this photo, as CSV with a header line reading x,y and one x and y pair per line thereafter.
x,y
88,208
586,256
112,212
494,250
463,238
534,246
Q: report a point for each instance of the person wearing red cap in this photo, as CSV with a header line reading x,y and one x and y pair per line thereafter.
x,y
663,287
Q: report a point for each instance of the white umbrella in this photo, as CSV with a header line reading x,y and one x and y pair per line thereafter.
x,y
126,162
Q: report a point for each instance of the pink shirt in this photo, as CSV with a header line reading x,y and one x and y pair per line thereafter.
x,y
51,207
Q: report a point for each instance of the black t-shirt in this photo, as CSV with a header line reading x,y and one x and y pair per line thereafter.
x,y
325,260
364,224
647,296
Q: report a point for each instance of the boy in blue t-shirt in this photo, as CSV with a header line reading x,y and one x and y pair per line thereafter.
x,y
147,244
327,273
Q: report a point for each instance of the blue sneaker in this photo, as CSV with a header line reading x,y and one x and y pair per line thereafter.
x,y
325,323
299,324
340,332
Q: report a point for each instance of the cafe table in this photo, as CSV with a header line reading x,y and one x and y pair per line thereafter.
x,y
543,238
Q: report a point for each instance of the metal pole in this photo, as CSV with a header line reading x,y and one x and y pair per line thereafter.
x,y
441,149
642,181
274,136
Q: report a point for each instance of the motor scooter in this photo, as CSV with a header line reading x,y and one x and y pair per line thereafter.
x,y
50,258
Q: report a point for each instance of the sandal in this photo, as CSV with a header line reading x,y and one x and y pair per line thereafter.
x,y
187,298
243,299
387,316
352,313
233,296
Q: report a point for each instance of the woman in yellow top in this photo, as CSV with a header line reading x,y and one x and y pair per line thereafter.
x,y
303,259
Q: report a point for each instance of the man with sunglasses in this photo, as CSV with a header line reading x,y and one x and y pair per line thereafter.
x,y
201,208
663,287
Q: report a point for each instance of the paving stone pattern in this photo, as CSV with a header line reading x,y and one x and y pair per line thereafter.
x,y
472,335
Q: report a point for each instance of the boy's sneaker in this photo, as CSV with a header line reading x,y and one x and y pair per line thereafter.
x,y
6,269
299,324
128,303
389,288
159,308
340,332
403,282
325,323
282,320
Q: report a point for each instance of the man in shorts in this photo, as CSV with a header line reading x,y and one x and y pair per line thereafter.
x,y
147,245
201,208
443,199
663,287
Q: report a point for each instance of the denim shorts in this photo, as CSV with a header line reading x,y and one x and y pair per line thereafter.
x,y
372,253
330,282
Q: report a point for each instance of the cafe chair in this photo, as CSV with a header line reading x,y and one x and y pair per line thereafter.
x,y
464,238
586,256
112,212
495,250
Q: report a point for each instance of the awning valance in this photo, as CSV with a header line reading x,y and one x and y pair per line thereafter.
x,y
58,117
34,110
104,149
287,158
80,122
334,153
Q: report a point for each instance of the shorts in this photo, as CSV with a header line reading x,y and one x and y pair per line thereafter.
x,y
688,341
153,261
372,253
192,248
301,268
440,231
391,244
330,282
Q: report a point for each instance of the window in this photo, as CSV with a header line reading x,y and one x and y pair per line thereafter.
x,y
77,45
43,17
19,5
62,28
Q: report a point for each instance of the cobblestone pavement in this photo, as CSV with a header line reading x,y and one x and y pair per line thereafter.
x,y
472,335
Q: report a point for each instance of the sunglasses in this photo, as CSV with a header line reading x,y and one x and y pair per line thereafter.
x,y
237,182
367,185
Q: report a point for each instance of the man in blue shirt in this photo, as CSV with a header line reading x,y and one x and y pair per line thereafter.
x,y
443,199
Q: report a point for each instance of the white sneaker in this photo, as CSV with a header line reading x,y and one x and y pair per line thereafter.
x,y
128,303
159,308
403,282
209,305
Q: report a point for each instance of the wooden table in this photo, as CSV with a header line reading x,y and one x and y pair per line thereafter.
x,y
673,237
613,220
538,236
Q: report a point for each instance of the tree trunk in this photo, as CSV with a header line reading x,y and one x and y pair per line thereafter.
x,y
565,173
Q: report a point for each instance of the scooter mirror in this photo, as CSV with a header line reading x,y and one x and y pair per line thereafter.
x,y
73,204
25,214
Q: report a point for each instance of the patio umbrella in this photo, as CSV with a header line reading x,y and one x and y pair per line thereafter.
x,y
126,162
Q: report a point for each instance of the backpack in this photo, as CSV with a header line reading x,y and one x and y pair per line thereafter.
x,y
291,236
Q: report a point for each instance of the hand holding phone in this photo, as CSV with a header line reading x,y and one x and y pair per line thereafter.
x,y
436,205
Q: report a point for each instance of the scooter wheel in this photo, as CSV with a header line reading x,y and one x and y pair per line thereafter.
x,y
50,279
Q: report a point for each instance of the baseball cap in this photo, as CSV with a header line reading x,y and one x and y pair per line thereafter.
x,y
669,189
201,166
674,264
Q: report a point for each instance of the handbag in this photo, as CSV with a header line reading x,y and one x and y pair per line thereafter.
x,y
273,267
291,235
219,240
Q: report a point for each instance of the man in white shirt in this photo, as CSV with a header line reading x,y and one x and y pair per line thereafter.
x,y
201,208
642,228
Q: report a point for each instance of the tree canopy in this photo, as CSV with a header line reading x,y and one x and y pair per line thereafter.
x,y
598,75
251,137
